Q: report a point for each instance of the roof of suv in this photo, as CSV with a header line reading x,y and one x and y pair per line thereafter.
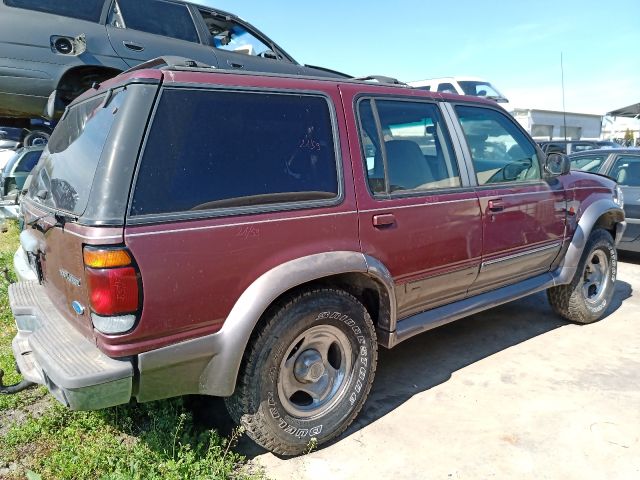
x,y
180,70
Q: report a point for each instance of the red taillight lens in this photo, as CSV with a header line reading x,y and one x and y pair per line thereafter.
x,y
113,291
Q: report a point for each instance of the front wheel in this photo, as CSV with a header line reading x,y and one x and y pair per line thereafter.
x,y
586,298
307,373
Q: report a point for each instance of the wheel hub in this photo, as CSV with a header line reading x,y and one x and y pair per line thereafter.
x,y
309,367
596,277
315,371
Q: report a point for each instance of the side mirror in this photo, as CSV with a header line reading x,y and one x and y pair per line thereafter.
x,y
557,164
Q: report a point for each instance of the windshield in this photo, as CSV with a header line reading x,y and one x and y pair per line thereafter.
x,y
479,89
64,176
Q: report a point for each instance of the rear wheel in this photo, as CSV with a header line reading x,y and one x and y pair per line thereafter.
x,y
307,373
586,298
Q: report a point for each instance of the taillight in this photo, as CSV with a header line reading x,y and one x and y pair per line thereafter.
x,y
113,283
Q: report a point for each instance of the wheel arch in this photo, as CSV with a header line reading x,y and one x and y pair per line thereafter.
x,y
210,365
79,78
603,213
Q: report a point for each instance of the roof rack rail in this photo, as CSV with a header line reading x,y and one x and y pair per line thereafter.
x,y
168,62
381,79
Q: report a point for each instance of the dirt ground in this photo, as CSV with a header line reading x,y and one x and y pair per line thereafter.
x,y
514,392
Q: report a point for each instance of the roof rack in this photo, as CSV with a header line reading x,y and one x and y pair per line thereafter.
x,y
381,79
169,62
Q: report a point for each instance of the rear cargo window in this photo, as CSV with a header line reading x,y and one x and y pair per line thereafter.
x,y
64,176
236,149
82,9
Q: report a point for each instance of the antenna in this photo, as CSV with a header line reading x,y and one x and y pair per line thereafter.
x,y
564,110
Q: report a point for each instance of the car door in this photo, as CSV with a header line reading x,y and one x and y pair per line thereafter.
x,y
239,46
625,169
417,214
140,30
523,214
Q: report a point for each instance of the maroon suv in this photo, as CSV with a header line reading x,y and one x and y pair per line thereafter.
x,y
256,237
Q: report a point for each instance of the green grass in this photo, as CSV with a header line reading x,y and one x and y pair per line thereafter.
x,y
41,439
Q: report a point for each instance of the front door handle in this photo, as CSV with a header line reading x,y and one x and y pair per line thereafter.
x,y
235,64
133,46
383,220
495,205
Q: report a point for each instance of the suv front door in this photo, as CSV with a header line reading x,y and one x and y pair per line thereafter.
x,y
239,47
523,214
417,213
140,30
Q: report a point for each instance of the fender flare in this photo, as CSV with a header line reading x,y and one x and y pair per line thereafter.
x,y
593,212
209,365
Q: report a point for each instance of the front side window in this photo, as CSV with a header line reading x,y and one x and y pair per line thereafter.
x,y
236,150
499,150
227,34
81,9
154,16
406,147
587,163
626,170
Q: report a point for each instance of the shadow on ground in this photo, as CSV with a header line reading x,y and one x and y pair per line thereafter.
x,y
430,359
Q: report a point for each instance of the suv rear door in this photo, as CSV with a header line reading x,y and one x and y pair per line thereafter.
x,y
523,214
418,214
140,30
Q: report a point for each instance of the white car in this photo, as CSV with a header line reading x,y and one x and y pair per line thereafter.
x,y
477,87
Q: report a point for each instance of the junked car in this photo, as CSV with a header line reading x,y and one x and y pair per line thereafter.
x,y
60,49
267,261
16,171
622,165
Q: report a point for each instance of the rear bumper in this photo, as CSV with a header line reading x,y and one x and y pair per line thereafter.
x,y
51,352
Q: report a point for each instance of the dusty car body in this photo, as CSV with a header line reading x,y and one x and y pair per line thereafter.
x,y
266,261
65,47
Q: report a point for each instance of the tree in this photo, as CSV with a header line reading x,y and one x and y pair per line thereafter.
x,y
628,137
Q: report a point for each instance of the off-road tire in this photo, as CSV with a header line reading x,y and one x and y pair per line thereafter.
x,y
258,403
569,301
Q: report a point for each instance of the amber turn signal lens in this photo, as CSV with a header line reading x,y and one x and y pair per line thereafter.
x,y
97,258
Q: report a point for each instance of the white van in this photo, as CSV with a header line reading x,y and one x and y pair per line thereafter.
x,y
477,87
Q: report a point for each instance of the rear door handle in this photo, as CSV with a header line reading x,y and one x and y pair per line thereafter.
x,y
384,220
235,64
133,46
495,205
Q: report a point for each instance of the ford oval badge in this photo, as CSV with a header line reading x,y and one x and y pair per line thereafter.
x,y
77,307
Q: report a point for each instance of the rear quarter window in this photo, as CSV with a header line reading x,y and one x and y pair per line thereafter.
x,y
82,9
236,150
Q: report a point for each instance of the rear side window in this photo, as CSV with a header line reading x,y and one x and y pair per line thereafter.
x,y
161,18
82,9
406,147
64,177
236,149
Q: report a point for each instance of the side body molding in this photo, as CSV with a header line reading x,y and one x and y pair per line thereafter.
x,y
209,365
564,274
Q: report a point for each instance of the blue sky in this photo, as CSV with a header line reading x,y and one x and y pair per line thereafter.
x,y
514,44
